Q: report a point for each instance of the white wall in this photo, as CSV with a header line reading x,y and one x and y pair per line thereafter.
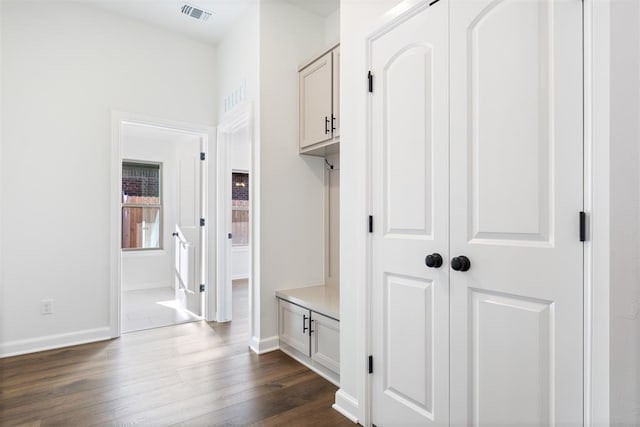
x,y
290,221
65,67
151,269
240,262
625,213
239,61
240,150
358,18
239,68
332,28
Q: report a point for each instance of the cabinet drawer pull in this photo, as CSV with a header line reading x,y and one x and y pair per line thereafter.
x,y
304,323
310,322
333,123
326,125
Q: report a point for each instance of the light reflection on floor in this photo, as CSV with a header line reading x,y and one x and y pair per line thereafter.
x,y
152,308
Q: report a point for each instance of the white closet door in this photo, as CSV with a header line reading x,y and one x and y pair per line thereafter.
x,y
410,206
516,194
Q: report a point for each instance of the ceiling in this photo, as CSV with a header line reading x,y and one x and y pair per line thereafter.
x,y
319,7
166,13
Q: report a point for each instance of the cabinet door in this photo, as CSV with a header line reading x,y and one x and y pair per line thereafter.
x,y
336,92
325,341
315,102
293,323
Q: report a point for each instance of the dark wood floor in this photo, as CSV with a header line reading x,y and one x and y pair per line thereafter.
x,y
192,374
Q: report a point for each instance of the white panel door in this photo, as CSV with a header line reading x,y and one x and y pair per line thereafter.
x,y
184,260
516,194
410,207
190,208
315,102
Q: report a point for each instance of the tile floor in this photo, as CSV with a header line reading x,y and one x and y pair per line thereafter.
x,y
152,308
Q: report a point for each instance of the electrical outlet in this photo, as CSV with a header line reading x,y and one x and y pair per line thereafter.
x,y
46,306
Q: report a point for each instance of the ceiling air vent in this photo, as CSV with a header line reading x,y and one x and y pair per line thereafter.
x,y
194,12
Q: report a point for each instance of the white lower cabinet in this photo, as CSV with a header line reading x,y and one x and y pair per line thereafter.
x,y
293,326
325,341
311,338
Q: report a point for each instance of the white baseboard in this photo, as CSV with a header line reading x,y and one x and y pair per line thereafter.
x,y
143,286
346,405
262,346
50,342
325,373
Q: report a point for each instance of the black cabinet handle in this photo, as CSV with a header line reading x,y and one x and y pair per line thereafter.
x,y
333,123
434,260
461,263
310,322
304,323
326,125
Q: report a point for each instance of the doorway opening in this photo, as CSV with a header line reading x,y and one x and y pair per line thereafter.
x,y
235,291
240,255
160,224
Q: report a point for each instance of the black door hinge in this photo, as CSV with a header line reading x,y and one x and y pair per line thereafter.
x,y
370,223
203,156
370,77
202,287
371,364
202,222
583,227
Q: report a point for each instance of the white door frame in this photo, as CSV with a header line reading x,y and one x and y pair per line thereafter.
x,y
240,117
596,31
208,135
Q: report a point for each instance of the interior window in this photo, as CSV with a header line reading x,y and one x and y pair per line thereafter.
x,y
141,205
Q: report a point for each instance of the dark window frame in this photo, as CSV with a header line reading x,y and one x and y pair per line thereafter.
x,y
159,206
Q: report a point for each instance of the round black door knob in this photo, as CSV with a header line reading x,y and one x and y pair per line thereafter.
x,y
433,260
460,263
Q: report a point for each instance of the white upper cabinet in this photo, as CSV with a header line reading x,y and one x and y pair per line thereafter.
x,y
319,103
336,92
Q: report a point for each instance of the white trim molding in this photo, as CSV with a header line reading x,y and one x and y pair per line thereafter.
x,y
265,345
240,118
347,406
597,29
52,342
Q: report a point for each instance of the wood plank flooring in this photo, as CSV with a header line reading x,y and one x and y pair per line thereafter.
x,y
192,374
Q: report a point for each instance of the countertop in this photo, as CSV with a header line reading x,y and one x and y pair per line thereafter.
x,y
321,299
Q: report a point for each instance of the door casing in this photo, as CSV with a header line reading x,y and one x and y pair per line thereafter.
x,y
238,119
208,136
